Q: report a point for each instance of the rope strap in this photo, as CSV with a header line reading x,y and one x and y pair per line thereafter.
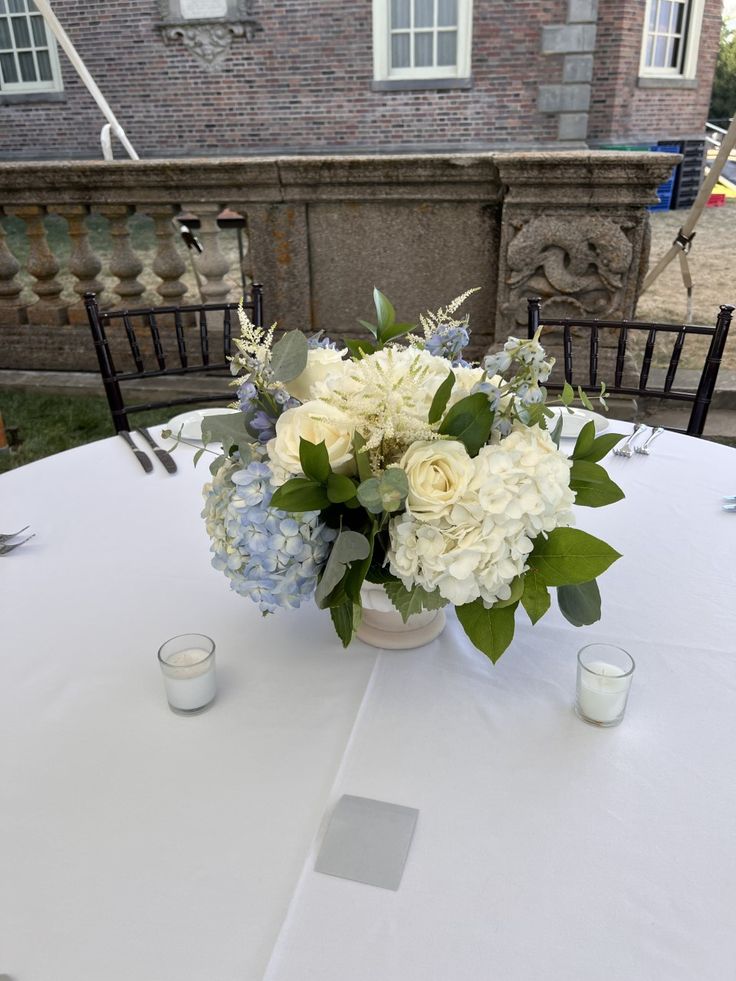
x,y
684,241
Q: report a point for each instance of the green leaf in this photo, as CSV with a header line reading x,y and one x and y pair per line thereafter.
x,y
414,600
584,399
289,356
602,446
380,574
357,569
228,429
360,348
567,394
535,598
217,463
349,546
469,421
394,331
569,555
584,442
491,631
369,495
362,460
300,494
581,603
393,488
385,313
346,620
557,431
441,396
592,486
245,451
517,588
198,455
315,460
340,488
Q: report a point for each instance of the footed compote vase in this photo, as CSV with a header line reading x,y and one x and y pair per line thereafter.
x,y
382,625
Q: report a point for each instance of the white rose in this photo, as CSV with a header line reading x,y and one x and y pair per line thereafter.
x,y
316,422
321,361
438,472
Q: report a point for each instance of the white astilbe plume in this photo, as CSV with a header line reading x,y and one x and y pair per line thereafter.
x,y
254,347
433,322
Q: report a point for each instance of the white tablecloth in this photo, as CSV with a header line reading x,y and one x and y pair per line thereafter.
x,y
138,844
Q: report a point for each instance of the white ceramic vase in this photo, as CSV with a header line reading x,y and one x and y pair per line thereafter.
x,y
382,625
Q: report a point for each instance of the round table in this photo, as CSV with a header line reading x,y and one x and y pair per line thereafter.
x,y
140,844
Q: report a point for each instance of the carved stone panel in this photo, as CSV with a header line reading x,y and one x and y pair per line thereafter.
x,y
207,27
581,264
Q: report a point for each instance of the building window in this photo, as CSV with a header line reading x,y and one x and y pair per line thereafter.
x,y
671,38
421,39
28,59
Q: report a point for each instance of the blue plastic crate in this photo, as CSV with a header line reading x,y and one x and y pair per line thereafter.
x,y
666,189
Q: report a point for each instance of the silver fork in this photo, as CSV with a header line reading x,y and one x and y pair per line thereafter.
x,y
625,449
5,549
644,448
6,538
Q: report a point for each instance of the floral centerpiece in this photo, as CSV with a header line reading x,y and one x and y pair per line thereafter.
x,y
395,461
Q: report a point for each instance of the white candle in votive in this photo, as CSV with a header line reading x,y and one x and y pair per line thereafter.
x,y
603,690
190,684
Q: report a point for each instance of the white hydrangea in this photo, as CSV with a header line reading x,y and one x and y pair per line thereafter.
x,y
520,488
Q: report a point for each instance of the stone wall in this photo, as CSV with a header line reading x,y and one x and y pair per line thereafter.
x,y
321,233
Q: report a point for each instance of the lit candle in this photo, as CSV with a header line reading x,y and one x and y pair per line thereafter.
x,y
603,686
188,668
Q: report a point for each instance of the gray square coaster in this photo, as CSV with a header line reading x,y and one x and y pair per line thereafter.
x,y
367,841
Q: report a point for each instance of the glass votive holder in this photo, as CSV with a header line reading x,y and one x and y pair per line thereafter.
x,y
603,683
188,668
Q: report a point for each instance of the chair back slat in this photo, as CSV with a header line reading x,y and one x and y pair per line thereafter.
x,y
204,340
156,338
133,342
594,355
674,360
567,352
699,400
646,361
618,375
188,320
181,342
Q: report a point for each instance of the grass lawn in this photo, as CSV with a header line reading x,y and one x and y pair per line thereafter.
x,y
48,424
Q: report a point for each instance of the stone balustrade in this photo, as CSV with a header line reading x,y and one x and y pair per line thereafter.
x,y
319,233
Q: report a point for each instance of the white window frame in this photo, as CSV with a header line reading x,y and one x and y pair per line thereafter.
x,y
54,84
691,40
382,71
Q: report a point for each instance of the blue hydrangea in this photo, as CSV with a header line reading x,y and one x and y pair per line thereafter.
x,y
262,408
449,342
270,556
317,340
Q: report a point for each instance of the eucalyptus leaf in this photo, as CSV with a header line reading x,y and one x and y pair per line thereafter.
x,y
349,546
245,452
300,494
469,421
491,631
557,431
535,598
414,600
568,394
198,455
592,486
393,488
228,429
581,603
369,495
584,399
441,397
569,555
217,463
289,356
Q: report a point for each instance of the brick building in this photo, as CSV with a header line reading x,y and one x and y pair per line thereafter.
x,y
227,77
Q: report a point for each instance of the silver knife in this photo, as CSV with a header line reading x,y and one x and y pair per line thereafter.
x,y
139,454
163,455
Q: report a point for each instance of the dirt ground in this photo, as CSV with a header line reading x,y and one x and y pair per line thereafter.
x,y
712,262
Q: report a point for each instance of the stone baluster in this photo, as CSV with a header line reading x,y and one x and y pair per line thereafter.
x,y
211,264
168,263
124,263
49,309
12,311
84,265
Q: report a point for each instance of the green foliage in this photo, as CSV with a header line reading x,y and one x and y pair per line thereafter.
x,y
441,396
469,421
362,461
569,555
535,598
592,486
349,546
414,600
289,356
385,493
315,460
591,448
340,488
491,631
300,494
228,429
723,96
346,618
384,330
580,603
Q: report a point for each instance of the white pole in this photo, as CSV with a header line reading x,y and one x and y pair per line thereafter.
x,y
62,37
